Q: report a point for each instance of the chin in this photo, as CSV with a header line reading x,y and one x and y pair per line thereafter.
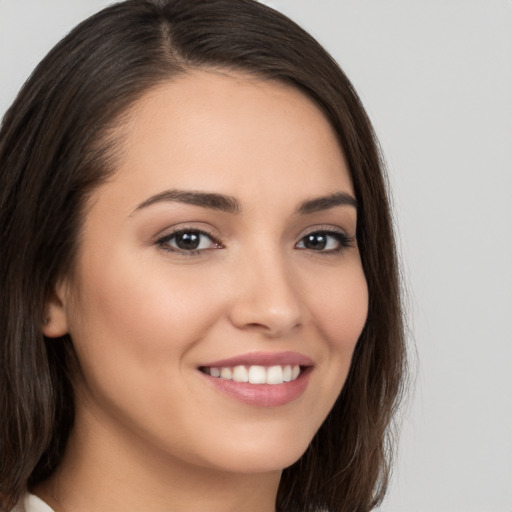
x,y
261,455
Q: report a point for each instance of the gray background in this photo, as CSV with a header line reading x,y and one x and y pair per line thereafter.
x,y
436,78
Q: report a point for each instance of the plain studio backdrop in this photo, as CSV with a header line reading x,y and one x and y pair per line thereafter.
x,y
436,79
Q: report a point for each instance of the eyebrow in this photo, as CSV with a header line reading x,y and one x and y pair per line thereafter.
x,y
327,202
213,201
229,204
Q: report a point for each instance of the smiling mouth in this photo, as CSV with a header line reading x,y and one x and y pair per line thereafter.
x,y
262,379
256,374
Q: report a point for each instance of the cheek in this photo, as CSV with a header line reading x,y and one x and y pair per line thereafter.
x,y
342,309
134,313
134,325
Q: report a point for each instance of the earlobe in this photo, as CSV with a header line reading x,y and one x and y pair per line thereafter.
x,y
55,322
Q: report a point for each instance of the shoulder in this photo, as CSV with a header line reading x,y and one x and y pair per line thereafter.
x,y
31,503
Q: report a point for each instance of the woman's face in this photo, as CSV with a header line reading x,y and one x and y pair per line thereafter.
x,y
223,244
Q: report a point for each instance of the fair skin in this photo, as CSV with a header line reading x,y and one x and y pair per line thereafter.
x,y
172,282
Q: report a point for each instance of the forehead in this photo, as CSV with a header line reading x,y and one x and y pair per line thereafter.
x,y
231,134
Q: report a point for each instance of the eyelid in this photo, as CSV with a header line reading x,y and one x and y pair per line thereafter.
x,y
198,226
330,228
327,228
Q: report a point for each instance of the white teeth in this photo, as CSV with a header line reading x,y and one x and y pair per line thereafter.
x,y
226,373
256,374
240,374
275,375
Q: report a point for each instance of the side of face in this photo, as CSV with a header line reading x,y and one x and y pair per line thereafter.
x,y
225,238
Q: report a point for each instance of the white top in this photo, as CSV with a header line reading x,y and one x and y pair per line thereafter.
x,y
31,503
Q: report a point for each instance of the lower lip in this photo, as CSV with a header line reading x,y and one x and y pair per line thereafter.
x,y
262,395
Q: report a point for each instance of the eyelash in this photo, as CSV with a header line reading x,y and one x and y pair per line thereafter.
x,y
343,241
164,242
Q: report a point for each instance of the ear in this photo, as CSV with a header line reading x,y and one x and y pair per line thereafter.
x,y
55,323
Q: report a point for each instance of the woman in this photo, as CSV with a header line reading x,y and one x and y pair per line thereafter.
x,y
200,304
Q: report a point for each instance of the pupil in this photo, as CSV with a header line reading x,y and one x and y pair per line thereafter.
x,y
316,241
187,241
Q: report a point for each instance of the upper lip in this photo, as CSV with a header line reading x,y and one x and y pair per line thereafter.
x,y
262,359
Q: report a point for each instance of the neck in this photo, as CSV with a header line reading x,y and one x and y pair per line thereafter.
x,y
123,473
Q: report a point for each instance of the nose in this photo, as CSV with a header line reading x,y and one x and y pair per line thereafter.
x,y
266,298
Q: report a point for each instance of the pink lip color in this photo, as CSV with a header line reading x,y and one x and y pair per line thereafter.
x,y
263,395
263,359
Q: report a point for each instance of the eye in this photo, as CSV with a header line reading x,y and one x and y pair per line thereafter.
x,y
325,241
188,241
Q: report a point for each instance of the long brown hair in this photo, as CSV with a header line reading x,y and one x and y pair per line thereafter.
x,y
57,143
